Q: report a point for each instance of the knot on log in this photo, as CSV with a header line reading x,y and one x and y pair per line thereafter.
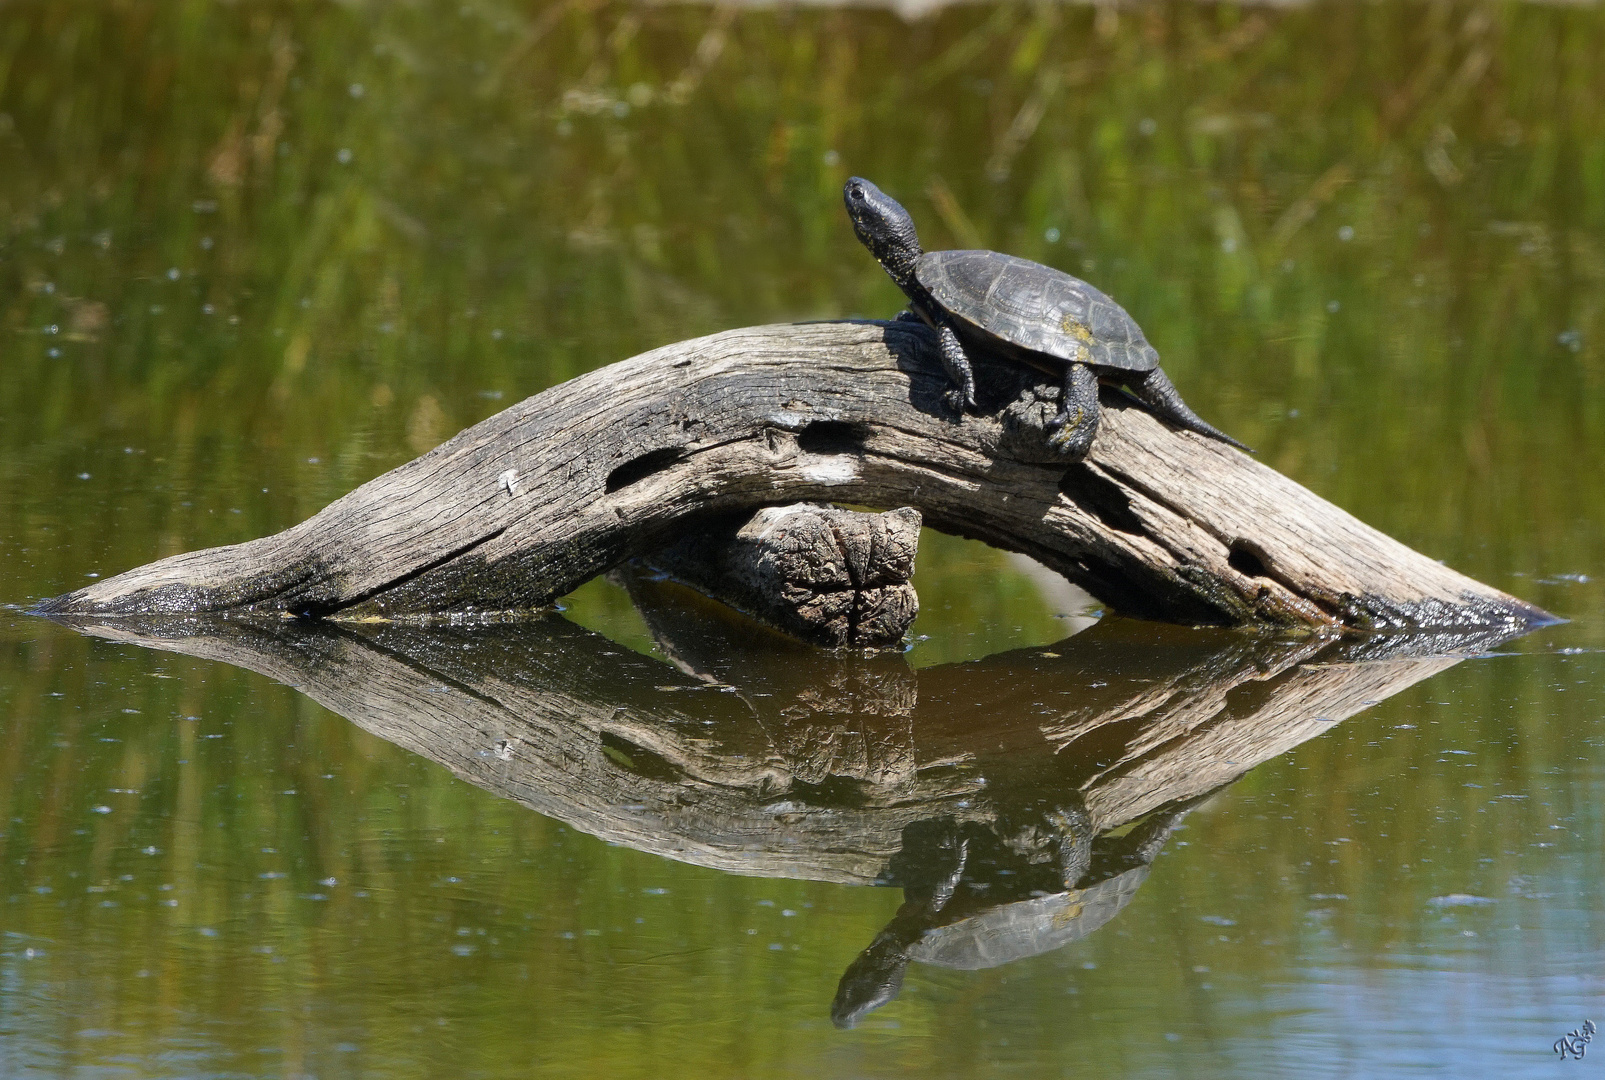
x,y
832,577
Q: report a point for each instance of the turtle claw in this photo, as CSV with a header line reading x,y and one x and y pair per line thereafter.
x,y
1070,438
956,400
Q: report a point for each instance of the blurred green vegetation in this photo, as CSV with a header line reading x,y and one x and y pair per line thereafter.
x,y
1368,239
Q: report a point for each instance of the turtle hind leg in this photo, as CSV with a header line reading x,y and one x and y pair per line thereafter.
x,y
1071,432
1156,391
958,369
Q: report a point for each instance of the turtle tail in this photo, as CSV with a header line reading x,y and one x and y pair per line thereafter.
x,y
1157,392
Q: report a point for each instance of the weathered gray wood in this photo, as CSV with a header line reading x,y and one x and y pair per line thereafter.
x,y
521,508
809,764
823,574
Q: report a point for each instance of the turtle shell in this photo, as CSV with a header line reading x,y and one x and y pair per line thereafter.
x,y
1035,307
1008,932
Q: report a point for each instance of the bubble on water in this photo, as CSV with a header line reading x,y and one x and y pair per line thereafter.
x,y
356,90
343,156
1052,236
172,273
1460,900
1334,306
1147,125
832,159
1346,233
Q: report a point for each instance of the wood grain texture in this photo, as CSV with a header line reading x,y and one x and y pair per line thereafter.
x,y
526,505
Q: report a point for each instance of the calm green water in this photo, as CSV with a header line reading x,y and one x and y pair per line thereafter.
x,y
253,255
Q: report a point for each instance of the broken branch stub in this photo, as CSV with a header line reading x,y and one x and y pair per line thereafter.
x,y
826,575
523,507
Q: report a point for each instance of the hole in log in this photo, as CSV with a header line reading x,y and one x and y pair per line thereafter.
x,y
637,759
832,437
1101,497
1247,559
637,469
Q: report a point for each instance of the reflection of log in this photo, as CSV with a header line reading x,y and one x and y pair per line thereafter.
x,y
829,576
630,750
828,716
521,508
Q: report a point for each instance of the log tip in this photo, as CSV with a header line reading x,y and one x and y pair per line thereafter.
x,y
1471,612
95,600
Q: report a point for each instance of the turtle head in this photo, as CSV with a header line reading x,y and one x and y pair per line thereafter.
x,y
884,227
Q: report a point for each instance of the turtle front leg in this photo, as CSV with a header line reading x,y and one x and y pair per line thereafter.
x,y
958,369
1070,433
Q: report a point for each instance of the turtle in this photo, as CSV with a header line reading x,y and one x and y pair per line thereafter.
x,y
991,302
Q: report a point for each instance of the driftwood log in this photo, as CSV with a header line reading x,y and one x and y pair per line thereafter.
x,y
826,575
519,509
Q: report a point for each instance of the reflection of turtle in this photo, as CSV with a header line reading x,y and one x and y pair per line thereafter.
x,y
1033,313
974,899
